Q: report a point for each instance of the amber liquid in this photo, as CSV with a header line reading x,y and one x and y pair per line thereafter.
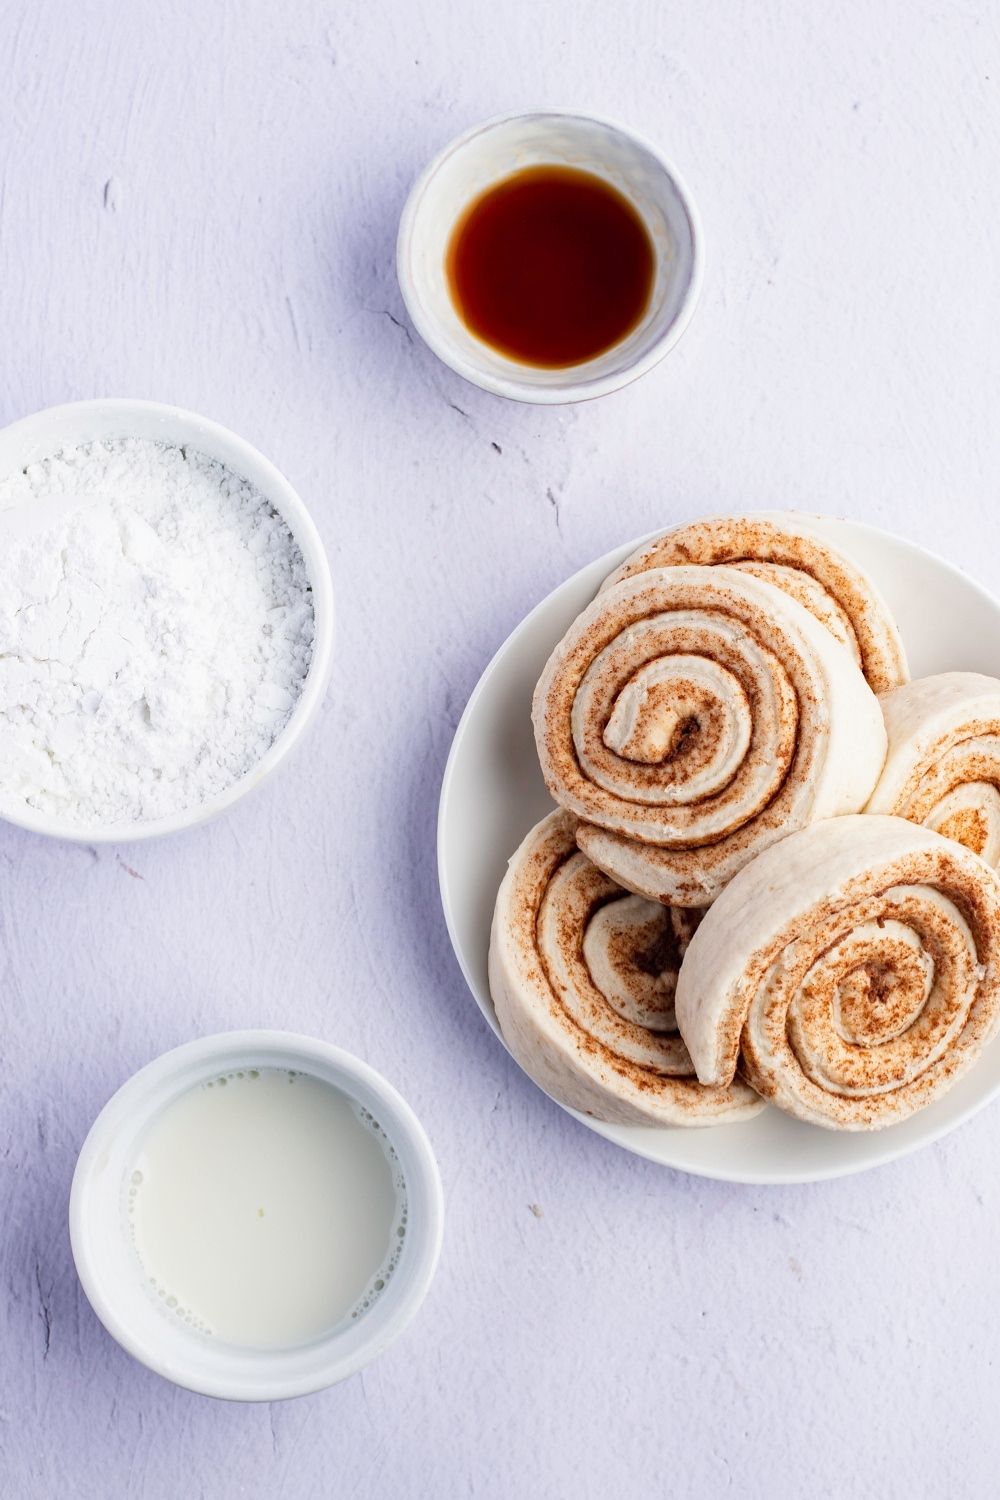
x,y
551,266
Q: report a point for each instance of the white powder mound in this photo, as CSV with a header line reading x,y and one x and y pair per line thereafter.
x,y
156,628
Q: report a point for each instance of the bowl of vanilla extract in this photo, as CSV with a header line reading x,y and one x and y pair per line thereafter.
x,y
550,257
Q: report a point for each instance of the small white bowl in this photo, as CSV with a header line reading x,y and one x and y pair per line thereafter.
x,y
109,1268
59,427
491,151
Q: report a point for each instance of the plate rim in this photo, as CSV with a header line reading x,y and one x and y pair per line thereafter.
x,y
604,1128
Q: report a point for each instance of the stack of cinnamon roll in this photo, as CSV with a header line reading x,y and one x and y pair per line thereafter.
x,y
771,872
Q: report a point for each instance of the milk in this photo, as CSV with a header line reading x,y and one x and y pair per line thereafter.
x,y
266,1208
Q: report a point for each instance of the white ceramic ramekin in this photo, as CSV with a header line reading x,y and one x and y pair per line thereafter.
x,y
489,152
109,1268
45,433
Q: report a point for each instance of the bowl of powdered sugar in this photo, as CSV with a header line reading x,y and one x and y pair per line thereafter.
x,y
166,620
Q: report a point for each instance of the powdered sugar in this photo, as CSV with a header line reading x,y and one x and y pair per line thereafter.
x,y
156,628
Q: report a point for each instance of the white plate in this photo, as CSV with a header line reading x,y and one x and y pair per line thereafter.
x,y
493,793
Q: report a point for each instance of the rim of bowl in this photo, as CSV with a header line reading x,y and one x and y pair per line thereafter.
x,y
279,492
128,1105
573,389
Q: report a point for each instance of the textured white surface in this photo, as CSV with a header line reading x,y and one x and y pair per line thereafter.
x,y
199,205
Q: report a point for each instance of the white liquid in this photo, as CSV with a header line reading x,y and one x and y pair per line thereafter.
x,y
266,1208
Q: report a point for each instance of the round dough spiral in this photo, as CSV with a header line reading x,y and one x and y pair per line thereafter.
x,y
854,968
693,715
787,551
583,975
943,765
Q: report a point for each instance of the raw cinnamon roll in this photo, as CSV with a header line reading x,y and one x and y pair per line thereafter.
x,y
943,765
691,716
583,975
784,549
854,969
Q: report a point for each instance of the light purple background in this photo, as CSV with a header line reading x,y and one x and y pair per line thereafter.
x,y
198,204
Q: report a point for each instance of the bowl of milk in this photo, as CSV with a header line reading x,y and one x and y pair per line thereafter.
x,y
256,1215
